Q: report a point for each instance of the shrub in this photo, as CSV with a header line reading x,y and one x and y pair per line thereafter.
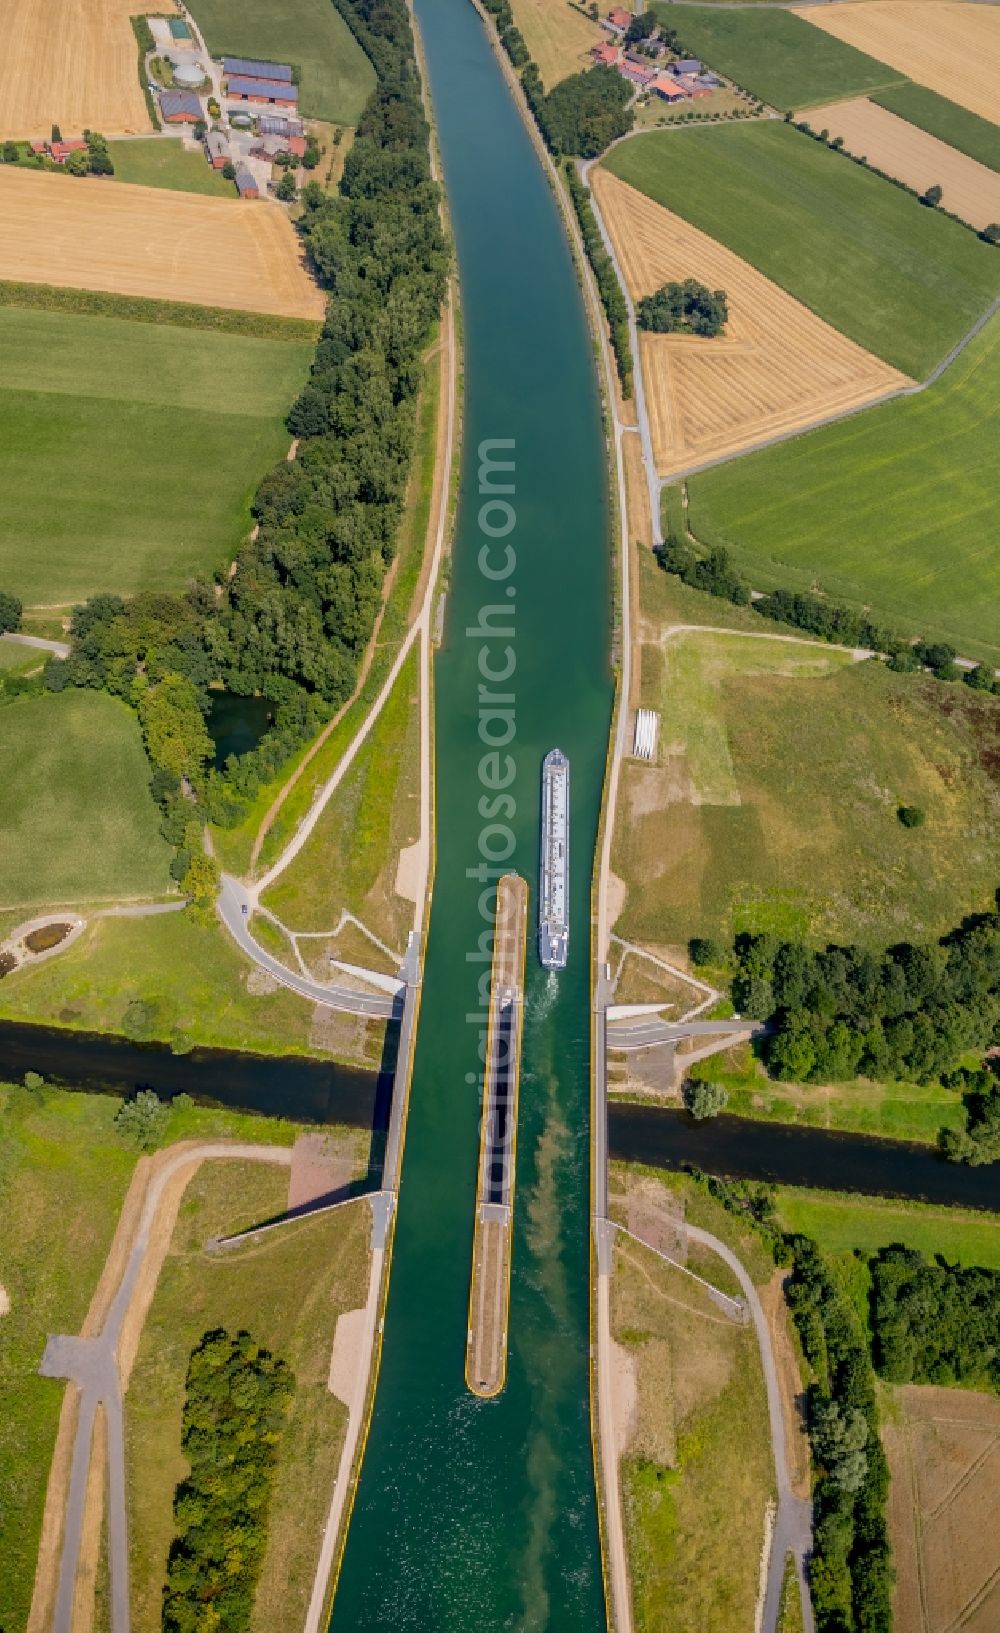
x,y
10,613
912,816
704,1099
143,1120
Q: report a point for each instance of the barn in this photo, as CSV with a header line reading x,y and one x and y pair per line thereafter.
x,y
274,93
250,68
246,182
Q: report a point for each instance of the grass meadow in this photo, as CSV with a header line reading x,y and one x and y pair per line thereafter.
x,y
896,508
845,1224
288,1291
772,53
773,803
335,77
901,280
78,821
160,163
129,452
64,1172
959,127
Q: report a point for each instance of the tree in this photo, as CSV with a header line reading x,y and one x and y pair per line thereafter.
x,y
200,884
933,196
11,153
684,308
912,816
643,24
704,1099
229,170
991,234
703,950
77,164
143,1120
286,189
311,156
56,133
839,1438
10,612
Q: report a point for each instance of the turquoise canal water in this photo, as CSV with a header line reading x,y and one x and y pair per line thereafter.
x,y
481,1515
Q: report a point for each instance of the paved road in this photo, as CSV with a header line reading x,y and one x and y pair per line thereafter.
x,y
92,1364
233,898
645,1033
59,648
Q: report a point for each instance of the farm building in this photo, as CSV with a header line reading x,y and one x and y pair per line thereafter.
x,y
668,88
249,68
268,91
246,182
686,65
216,148
637,70
278,124
61,151
617,20
179,107
606,55
179,29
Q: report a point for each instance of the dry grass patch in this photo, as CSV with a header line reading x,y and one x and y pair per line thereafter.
x,y
152,242
558,36
697,1471
74,66
952,48
778,367
943,1447
913,156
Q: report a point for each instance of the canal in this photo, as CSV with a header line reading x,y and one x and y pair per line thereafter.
x,y
473,1514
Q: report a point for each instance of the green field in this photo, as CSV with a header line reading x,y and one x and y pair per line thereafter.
x,y
160,163
843,1224
957,126
773,806
903,281
897,508
63,1173
774,54
129,452
75,809
334,75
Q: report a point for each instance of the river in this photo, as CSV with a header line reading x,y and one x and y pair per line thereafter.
x,y
470,1514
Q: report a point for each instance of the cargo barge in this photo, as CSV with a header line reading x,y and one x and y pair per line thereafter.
x,y
553,895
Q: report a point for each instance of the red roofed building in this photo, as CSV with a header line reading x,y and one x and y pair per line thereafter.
x,y
606,55
297,146
61,151
618,19
668,89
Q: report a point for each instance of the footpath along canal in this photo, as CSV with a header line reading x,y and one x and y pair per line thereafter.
x,y
478,1514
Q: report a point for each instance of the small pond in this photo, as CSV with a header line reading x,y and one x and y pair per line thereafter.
x,y
237,724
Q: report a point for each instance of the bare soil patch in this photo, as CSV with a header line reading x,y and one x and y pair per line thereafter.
x,y
778,367
148,241
76,66
952,48
913,156
943,1447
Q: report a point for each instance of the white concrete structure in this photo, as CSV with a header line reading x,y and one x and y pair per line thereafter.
x,y
647,724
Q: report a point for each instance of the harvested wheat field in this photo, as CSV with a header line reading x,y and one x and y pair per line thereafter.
x,y
558,36
72,65
777,369
82,234
913,156
953,49
943,1447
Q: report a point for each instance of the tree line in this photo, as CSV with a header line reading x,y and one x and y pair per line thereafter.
x,y
713,571
293,620
605,277
235,1409
910,1012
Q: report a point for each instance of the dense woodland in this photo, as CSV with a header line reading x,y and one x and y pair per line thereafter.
x,y
238,1396
910,1012
850,1572
293,620
684,307
934,1323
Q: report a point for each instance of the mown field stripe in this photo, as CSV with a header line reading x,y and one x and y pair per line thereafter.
x,y
140,309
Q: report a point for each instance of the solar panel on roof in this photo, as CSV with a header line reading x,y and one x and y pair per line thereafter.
x,y
237,85
251,69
